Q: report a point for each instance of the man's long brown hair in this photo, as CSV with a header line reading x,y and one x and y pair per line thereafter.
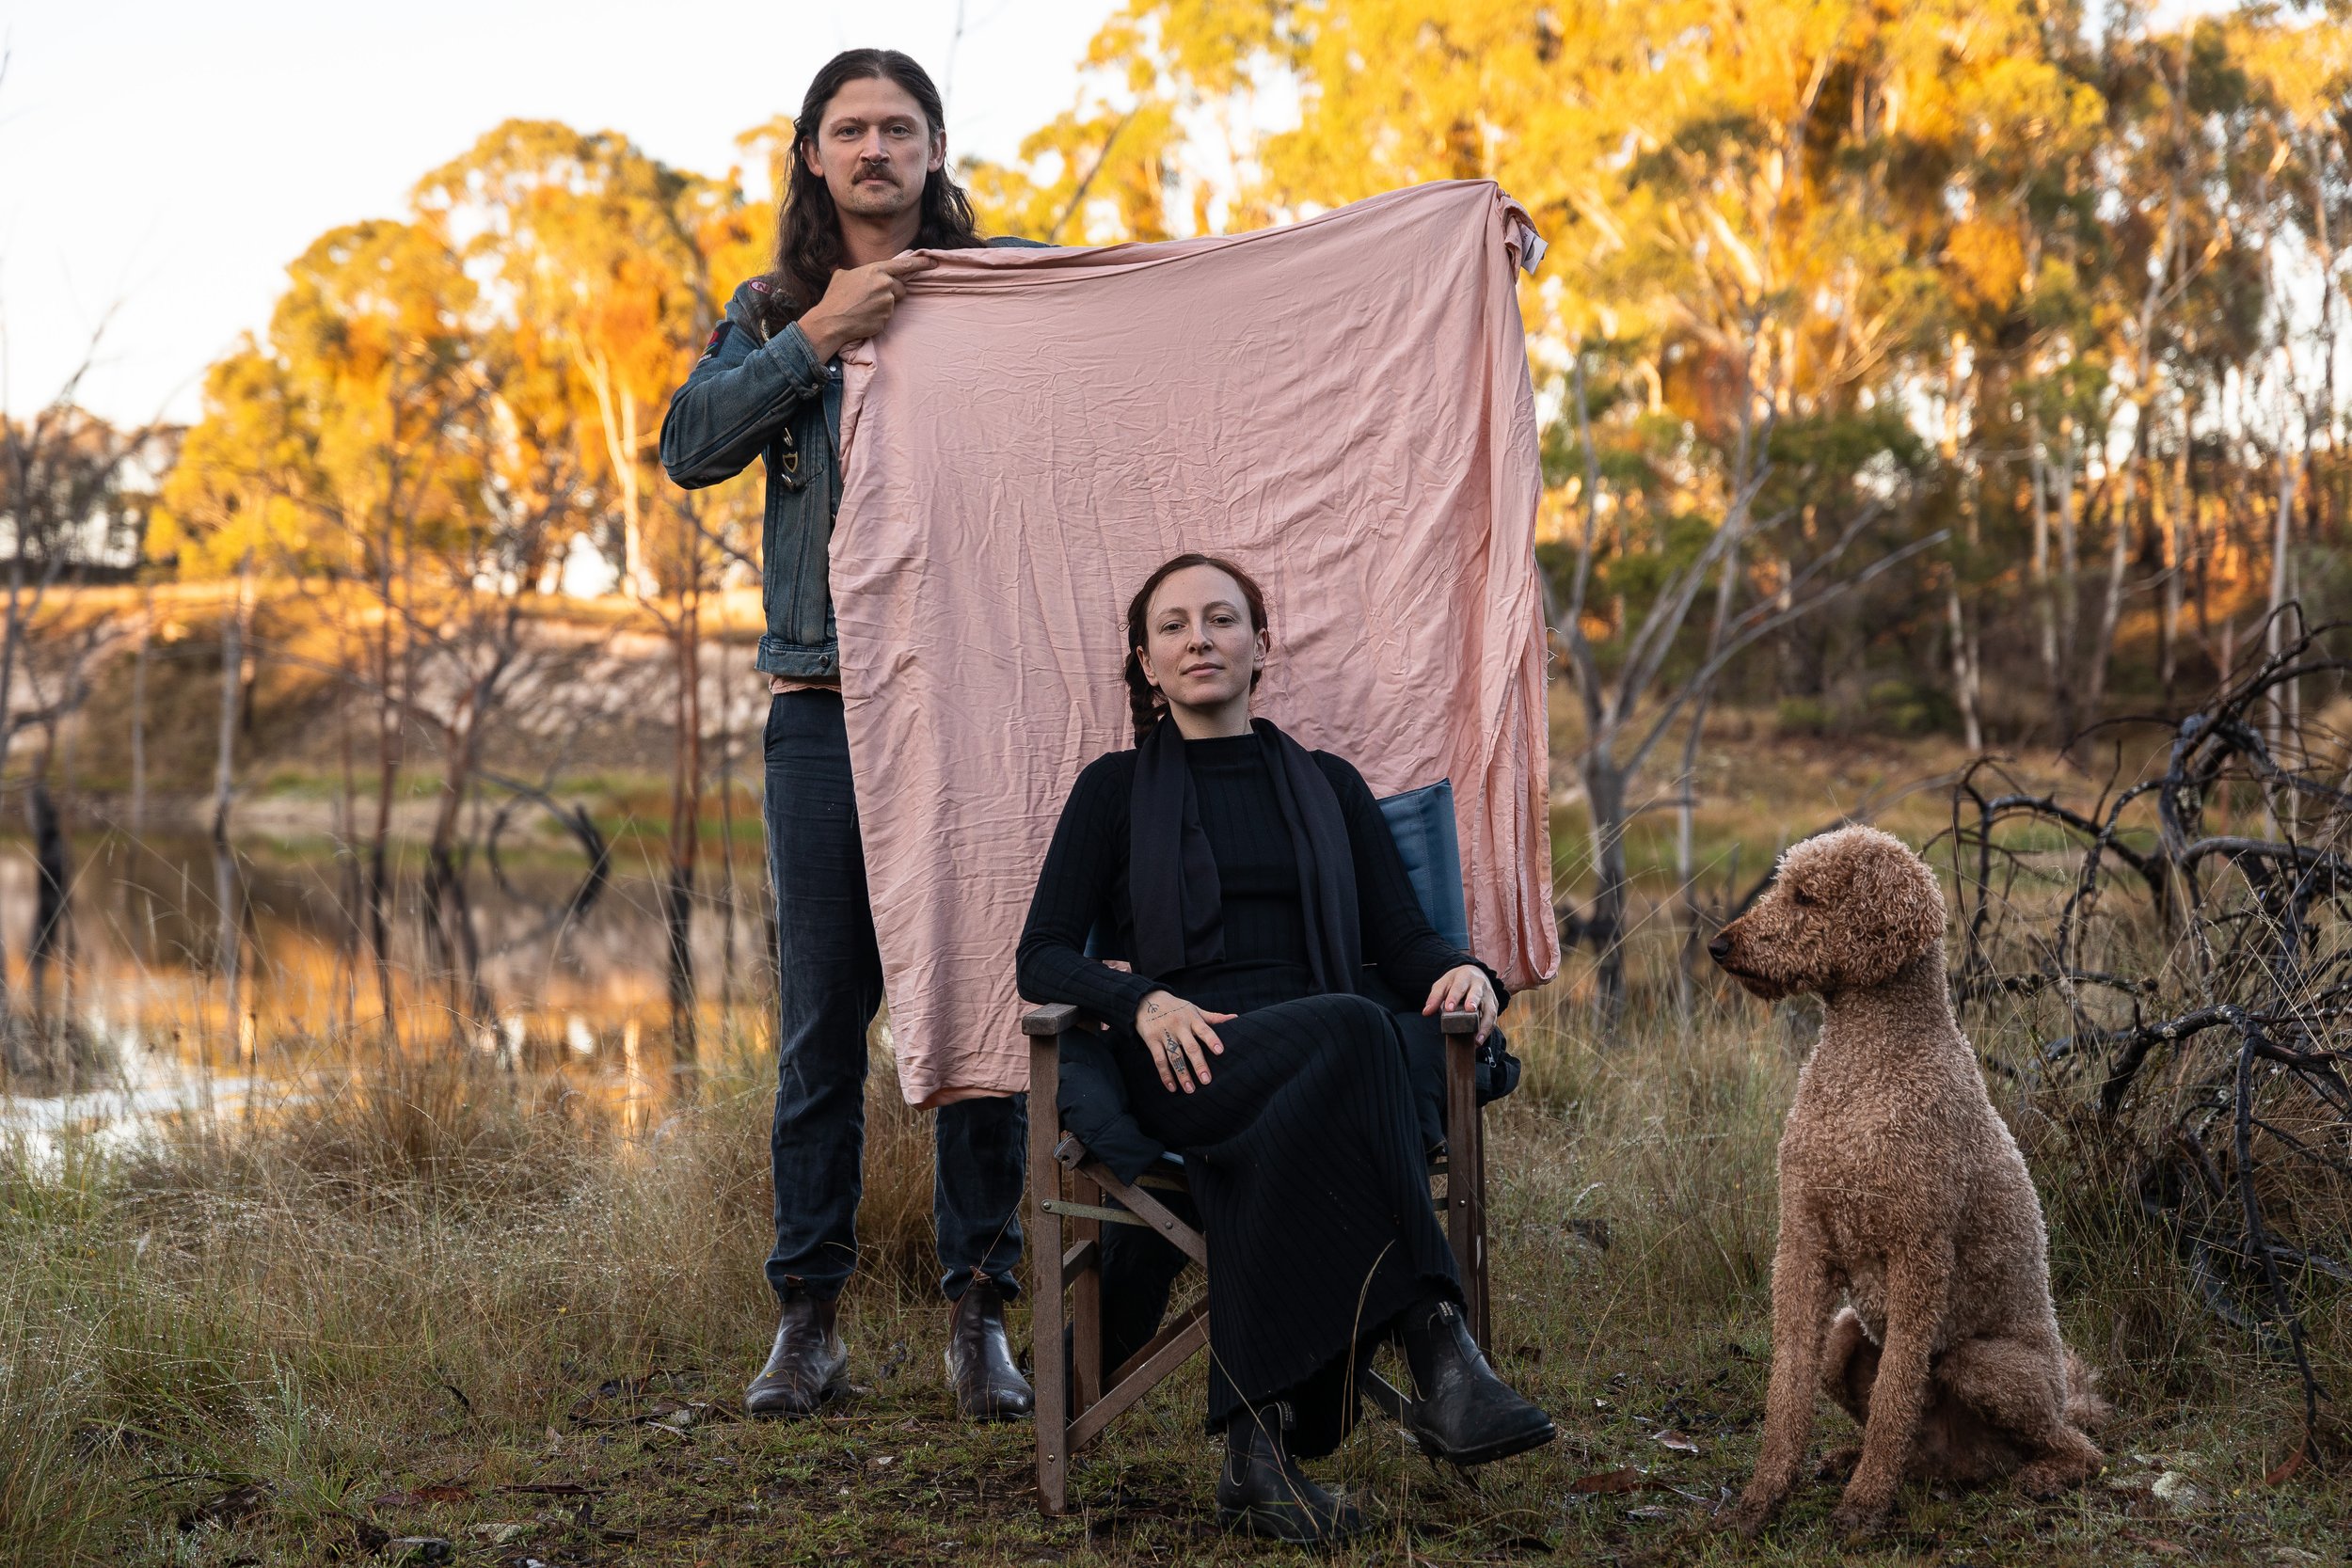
x,y
808,228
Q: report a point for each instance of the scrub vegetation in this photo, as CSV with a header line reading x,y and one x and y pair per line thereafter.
x,y
413,1306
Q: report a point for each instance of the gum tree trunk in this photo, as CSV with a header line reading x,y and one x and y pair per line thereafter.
x,y
229,944
685,810
1604,795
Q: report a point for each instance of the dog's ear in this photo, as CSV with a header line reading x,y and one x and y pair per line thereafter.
x,y
1895,906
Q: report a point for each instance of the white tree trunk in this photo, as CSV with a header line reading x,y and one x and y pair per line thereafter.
x,y
226,893
1964,667
2281,578
138,710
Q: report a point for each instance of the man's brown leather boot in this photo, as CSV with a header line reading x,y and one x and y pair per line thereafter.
x,y
989,1388
807,1365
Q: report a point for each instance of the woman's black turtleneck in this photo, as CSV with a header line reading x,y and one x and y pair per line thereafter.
x,y
1084,886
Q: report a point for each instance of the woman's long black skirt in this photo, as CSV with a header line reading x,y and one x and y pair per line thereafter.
x,y
1303,1152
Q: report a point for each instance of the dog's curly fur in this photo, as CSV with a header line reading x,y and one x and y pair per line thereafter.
x,y
1901,1190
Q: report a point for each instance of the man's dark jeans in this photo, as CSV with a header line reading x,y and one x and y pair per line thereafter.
x,y
830,985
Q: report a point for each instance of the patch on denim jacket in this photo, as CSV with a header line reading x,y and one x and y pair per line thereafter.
x,y
718,336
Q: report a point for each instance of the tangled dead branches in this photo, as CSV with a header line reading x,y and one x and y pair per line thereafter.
x,y
2183,949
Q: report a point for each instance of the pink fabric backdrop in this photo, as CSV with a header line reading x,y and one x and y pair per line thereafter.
x,y
1342,406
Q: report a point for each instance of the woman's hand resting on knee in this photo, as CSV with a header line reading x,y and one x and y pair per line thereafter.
x,y
1460,990
1179,1037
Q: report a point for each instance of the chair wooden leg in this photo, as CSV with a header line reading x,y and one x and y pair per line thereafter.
x,y
1170,1349
1481,1300
1067,1260
1046,1312
1466,1169
1086,1300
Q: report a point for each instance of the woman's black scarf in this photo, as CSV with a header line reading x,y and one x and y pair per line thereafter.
x,y
1171,874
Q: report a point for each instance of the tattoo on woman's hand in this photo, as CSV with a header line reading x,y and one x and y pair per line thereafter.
x,y
1179,1039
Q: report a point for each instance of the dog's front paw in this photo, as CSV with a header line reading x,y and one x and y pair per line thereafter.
x,y
1746,1517
1855,1520
2047,1480
1838,1465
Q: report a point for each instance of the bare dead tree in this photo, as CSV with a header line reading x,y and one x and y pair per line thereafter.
x,y
2201,982
582,828
1632,706
681,622
140,660
62,511
472,642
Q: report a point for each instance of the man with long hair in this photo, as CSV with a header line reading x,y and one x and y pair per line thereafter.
x,y
869,185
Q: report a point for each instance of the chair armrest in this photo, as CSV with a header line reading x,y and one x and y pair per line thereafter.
x,y
1055,1017
1058,1018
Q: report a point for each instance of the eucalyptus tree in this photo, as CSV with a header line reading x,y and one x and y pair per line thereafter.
x,y
603,268
353,441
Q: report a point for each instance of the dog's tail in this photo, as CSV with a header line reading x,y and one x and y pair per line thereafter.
x,y
2085,1409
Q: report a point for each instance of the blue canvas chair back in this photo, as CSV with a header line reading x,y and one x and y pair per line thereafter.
x,y
1422,822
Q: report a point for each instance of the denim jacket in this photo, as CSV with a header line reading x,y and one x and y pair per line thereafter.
x,y
752,395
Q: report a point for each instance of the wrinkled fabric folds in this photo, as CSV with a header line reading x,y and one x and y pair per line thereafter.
x,y
1342,406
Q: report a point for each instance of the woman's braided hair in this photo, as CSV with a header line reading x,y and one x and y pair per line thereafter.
x,y
1144,703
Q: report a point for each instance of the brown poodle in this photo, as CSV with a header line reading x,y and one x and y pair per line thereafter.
x,y
1901,1191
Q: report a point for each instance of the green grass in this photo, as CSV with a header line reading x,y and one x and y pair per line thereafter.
x,y
443,1302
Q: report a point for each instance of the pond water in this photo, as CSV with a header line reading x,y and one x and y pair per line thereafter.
x,y
145,1003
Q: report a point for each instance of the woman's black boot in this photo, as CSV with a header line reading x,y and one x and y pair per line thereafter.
x,y
1465,1414
1262,1491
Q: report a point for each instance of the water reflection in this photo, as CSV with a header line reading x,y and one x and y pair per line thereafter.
x,y
146,1001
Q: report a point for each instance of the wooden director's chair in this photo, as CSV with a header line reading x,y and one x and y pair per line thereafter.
x,y
1067,1189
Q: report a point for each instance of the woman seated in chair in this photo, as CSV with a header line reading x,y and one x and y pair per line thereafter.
x,y
1251,880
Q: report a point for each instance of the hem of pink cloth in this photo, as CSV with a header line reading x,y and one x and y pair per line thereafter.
x,y
779,684
950,1096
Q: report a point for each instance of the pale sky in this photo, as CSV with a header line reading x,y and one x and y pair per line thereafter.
x,y
168,160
